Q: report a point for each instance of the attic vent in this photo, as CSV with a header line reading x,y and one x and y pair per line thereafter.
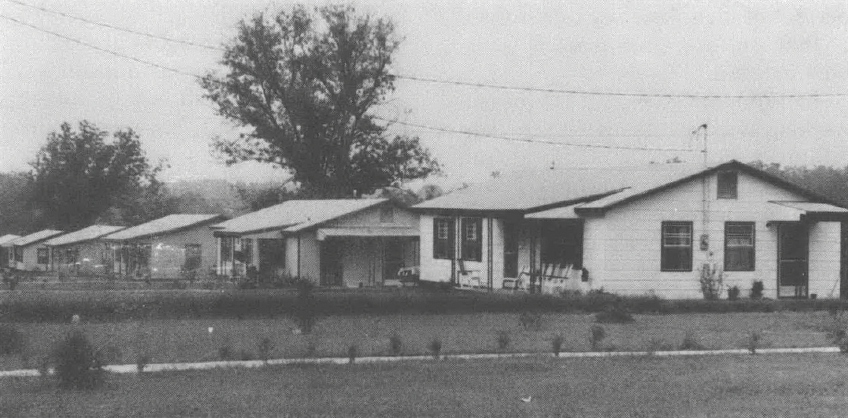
x,y
727,185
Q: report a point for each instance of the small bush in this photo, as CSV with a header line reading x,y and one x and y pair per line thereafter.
x,y
757,290
712,281
264,348
556,344
11,340
733,293
141,362
77,365
305,309
530,320
597,334
352,351
691,342
614,315
395,345
754,338
225,352
245,355
435,348
503,340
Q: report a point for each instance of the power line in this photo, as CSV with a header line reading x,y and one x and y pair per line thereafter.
x,y
108,51
530,141
118,28
620,94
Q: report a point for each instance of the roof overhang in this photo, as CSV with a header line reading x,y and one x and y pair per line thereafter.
x,y
367,231
782,211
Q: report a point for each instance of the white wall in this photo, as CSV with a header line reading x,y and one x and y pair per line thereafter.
x,y
622,248
824,259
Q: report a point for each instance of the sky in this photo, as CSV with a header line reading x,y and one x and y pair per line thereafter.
x,y
653,47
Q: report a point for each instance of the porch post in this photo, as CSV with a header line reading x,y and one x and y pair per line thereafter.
x,y
489,259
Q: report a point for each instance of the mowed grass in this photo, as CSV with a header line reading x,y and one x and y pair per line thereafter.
x,y
740,385
188,340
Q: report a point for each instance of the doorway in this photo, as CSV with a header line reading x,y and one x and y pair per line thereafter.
x,y
792,264
331,263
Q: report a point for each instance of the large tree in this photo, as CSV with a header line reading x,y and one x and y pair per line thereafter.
x,y
81,176
302,83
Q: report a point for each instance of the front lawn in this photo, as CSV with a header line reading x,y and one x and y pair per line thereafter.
x,y
762,385
186,340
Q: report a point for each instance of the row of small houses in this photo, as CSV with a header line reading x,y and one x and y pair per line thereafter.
x,y
643,230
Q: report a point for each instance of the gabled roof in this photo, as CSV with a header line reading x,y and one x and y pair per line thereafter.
x,y
586,190
8,238
33,238
86,234
165,225
294,215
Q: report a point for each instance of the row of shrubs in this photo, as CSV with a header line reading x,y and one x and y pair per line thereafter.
x,y
122,305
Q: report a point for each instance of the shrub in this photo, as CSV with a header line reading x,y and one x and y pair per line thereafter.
x,y
435,348
757,290
754,338
395,345
503,340
530,319
225,352
556,344
712,280
691,342
245,355
351,353
733,293
77,365
141,362
305,311
597,334
264,348
614,315
11,340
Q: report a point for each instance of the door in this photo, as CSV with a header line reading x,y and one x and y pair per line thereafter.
x,y
392,258
792,260
843,262
331,262
272,257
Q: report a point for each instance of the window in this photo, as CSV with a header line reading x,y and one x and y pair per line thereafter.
x,y
226,249
562,244
19,254
727,184
247,250
42,256
472,239
443,238
676,246
193,257
387,215
739,246
510,242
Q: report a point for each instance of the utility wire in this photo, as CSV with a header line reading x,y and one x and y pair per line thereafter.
x,y
620,94
108,51
530,141
118,28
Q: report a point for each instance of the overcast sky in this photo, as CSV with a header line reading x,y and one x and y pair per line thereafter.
x,y
709,48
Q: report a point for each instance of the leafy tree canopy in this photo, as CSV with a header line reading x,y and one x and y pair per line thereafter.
x,y
302,83
80,176
830,182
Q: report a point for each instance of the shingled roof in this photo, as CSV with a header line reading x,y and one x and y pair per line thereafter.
x,y
83,235
165,225
294,215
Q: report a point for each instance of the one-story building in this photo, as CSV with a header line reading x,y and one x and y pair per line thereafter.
x,y
4,251
638,230
80,253
335,242
29,252
172,247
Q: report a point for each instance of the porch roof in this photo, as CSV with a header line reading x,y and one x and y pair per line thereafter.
x,y
816,211
368,231
566,212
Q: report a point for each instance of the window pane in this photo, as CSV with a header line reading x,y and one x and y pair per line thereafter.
x,y
739,246
676,246
727,185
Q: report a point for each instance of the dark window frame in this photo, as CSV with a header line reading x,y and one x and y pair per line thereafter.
x,y
196,258
42,256
730,189
666,250
471,248
753,247
443,246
